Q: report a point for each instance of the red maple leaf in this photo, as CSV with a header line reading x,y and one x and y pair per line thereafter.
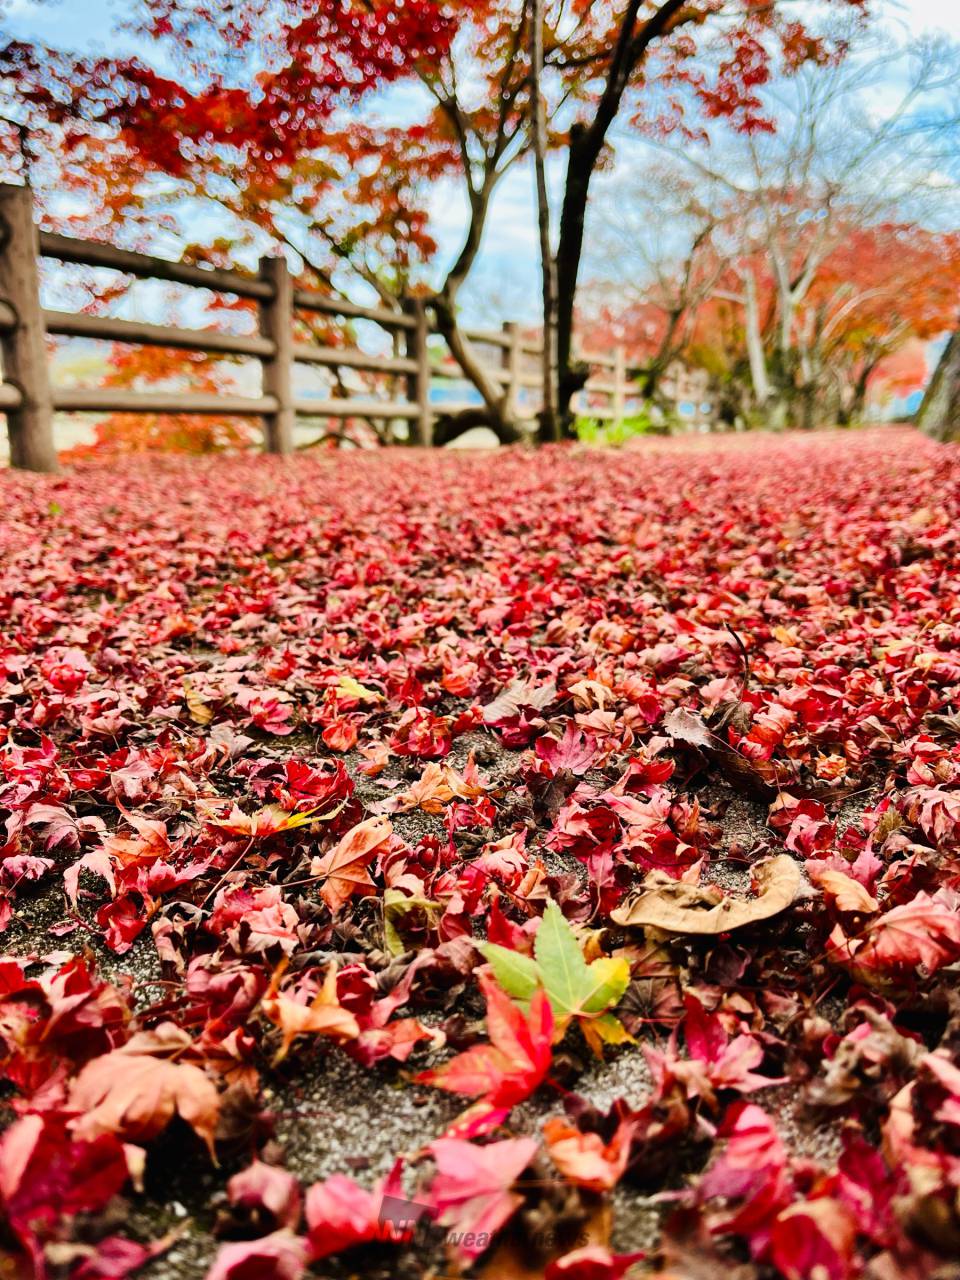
x,y
505,1071
471,1189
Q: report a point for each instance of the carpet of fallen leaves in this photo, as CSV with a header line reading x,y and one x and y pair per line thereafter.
x,y
428,762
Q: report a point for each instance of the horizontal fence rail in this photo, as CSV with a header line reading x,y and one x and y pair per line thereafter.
x,y
376,410
120,400
91,253
351,358
306,300
29,401
77,325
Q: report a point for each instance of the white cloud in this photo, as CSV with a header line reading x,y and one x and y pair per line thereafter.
x,y
927,15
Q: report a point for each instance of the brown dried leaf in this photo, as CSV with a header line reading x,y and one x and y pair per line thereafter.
x,y
344,869
135,1094
323,1016
676,907
513,1259
750,777
845,893
518,694
200,712
684,726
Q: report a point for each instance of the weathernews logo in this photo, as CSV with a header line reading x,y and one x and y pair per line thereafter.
x,y
410,1222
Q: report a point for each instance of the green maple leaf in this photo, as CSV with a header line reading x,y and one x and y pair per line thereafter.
x,y
574,988
396,907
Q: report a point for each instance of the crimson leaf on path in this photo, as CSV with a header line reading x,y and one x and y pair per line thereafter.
x,y
507,1069
471,1190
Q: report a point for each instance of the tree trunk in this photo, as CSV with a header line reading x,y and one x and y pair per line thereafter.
x,y
808,406
778,411
450,425
497,413
859,399
549,420
571,375
584,150
754,340
939,414
668,351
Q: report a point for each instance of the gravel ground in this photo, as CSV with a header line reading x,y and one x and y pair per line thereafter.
x,y
332,1116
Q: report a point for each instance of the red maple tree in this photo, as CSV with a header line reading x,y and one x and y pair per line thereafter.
x,y
260,113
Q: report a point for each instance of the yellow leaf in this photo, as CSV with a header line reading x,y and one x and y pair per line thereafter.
x,y
847,893
350,688
200,713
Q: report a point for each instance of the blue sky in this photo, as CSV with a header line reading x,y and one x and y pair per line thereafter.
x,y
77,24
505,282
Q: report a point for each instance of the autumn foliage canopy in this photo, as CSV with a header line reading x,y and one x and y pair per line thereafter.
x,y
274,110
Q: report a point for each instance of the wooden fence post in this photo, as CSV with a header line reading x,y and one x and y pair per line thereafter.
x,y
619,385
512,356
276,323
30,424
418,384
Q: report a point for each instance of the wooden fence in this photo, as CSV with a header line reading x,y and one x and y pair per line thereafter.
x,y
29,399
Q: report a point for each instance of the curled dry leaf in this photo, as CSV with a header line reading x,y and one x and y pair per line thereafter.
x,y
518,694
677,907
344,869
323,1016
751,777
135,1093
584,1158
684,726
200,712
845,893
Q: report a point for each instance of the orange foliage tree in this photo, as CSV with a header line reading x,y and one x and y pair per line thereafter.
x,y
876,298
882,288
798,263
261,116
150,367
